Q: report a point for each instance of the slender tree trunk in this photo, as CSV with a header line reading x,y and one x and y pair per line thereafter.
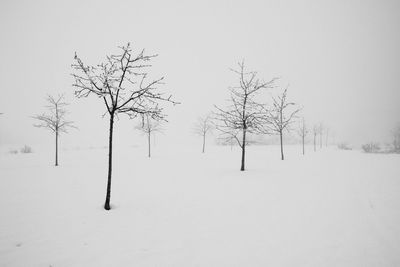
x,y
243,149
56,164
149,137
56,128
303,143
108,196
204,141
281,136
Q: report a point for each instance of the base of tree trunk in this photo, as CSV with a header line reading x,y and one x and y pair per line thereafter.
x,y
107,206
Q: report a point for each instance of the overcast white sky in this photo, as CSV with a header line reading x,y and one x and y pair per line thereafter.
x,y
341,59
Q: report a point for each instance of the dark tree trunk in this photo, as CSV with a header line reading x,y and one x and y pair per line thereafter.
x,y
204,141
149,137
108,196
56,164
243,149
281,136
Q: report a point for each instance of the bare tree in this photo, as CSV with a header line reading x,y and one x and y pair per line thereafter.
x,y
280,117
396,138
149,127
244,114
202,127
315,133
121,82
321,133
302,131
55,119
326,136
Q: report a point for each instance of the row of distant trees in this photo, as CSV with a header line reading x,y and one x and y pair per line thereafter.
x,y
123,84
248,113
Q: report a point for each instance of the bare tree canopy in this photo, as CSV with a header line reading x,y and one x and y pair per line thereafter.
x,y
244,114
122,83
202,127
302,131
55,120
280,116
149,126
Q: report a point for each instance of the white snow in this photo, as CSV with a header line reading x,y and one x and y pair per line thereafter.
x,y
184,208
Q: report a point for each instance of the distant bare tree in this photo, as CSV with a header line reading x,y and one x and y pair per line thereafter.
x,y
280,117
326,136
121,82
149,127
396,138
315,133
302,131
244,114
202,127
321,133
55,119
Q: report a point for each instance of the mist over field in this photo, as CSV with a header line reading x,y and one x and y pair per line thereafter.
x,y
199,133
340,59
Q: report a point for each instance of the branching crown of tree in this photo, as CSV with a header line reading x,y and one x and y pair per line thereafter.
x,y
55,120
121,81
203,125
302,130
149,125
245,112
281,115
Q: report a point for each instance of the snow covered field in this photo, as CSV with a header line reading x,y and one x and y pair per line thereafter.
x,y
183,208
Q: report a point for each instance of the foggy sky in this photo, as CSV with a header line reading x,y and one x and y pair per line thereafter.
x,y
341,59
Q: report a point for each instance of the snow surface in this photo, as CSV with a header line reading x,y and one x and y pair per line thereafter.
x,y
184,208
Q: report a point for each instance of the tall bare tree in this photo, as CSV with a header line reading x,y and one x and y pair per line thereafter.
x,y
302,131
280,117
149,127
244,114
122,83
202,127
55,120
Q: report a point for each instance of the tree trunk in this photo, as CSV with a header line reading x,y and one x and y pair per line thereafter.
x,y
281,136
243,149
303,143
204,142
149,139
56,164
108,196
315,142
